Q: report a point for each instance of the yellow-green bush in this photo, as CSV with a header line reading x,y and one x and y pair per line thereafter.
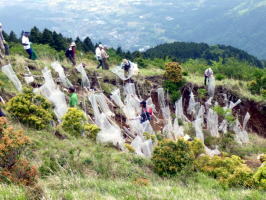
x,y
74,122
197,147
173,72
260,177
130,148
149,136
92,130
171,157
31,109
230,171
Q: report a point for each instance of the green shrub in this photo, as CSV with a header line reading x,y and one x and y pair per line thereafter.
x,y
31,109
258,85
227,142
171,157
219,77
197,147
92,130
260,177
173,88
230,171
149,136
202,92
74,122
130,148
225,114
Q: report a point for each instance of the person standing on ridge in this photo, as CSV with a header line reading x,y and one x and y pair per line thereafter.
x,y
207,74
71,53
98,55
73,102
27,46
104,56
126,65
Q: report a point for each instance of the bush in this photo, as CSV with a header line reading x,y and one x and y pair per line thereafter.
x,y
21,173
219,77
197,147
130,148
74,122
11,144
173,88
171,157
225,114
230,171
258,86
260,177
93,130
173,72
202,92
31,109
149,136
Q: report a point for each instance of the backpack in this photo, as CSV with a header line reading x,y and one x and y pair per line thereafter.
x,y
67,53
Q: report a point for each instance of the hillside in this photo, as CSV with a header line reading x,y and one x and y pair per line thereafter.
x,y
75,166
182,51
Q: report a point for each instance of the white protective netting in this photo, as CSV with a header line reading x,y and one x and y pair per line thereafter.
x,y
52,92
84,78
110,131
198,124
28,77
59,69
212,123
211,86
9,72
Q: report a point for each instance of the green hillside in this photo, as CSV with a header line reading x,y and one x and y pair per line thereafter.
x,y
183,51
53,163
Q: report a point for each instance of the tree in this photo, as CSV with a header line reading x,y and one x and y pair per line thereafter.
x,y
47,37
6,36
59,42
13,37
79,44
35,35
88,45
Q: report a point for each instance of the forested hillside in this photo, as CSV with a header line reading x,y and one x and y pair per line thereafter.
x,y
183,51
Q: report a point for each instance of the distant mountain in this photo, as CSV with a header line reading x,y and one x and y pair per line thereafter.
x,y
183,51
141,24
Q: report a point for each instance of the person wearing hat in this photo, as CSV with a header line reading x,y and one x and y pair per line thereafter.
x,y
71,53
126,65
27,44
98,55
207,74
2,42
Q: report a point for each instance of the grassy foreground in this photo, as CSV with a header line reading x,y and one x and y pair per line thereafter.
x,y
77,169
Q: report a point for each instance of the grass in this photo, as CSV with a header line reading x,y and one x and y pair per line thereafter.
x,y
93,171
239,87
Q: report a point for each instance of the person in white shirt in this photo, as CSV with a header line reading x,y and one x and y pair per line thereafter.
x,y
207,74
27,44
98,56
